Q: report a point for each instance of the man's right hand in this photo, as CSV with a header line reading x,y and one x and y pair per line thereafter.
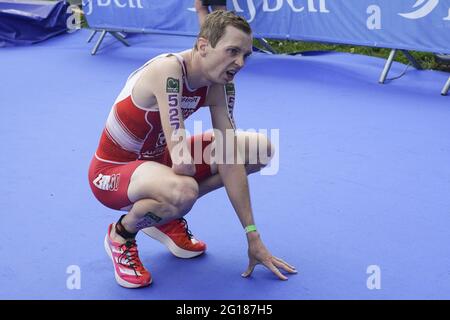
x,y
184,169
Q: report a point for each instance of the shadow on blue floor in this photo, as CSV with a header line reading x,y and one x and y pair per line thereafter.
x,y
363,180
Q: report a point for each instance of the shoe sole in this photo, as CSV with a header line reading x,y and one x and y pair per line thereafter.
x,y
119,280
178,252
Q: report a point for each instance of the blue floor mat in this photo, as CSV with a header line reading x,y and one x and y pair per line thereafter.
x,y
363,180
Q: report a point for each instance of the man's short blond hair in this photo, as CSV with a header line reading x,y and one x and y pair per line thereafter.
x,y
216,22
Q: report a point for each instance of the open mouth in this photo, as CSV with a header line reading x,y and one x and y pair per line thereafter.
x,y
231,73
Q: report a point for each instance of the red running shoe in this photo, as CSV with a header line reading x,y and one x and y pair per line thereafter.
x,y
175,235
128,268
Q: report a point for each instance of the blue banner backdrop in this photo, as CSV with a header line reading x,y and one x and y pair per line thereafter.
x,y
422,25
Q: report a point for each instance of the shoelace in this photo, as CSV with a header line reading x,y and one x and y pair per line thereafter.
x,y
130,255
186,228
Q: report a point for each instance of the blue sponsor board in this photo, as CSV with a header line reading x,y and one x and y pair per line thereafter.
x,y
422,25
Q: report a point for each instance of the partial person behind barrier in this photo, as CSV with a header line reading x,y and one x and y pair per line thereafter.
x,y
202,7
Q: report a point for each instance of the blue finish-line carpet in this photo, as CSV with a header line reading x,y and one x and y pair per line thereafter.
x,y
363,180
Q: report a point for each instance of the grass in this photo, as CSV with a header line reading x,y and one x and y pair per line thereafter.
x,y
427,60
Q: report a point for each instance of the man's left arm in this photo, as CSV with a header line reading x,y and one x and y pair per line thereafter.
x,y
234,177
231,169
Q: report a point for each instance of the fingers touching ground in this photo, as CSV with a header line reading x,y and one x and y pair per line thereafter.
x,y
249,270
273,265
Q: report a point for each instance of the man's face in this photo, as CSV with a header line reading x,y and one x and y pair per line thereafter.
x,y
228,57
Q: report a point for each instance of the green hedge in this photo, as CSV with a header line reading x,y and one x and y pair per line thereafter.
x,y
427,60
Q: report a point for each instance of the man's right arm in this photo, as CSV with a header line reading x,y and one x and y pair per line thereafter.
x,y
166,81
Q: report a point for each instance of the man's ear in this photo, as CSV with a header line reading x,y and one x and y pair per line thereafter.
x,y
202,45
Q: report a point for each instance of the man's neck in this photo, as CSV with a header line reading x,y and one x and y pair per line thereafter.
x,y
195,76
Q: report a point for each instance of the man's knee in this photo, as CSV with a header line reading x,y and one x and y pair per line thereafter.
x,y
268,147
260,150
183,195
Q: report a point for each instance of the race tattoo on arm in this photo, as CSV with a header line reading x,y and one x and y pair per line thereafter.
x,y
148,220
173,90
230,94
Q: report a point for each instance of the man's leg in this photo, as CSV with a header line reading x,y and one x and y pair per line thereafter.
x,y
249,143
158,196
161,198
